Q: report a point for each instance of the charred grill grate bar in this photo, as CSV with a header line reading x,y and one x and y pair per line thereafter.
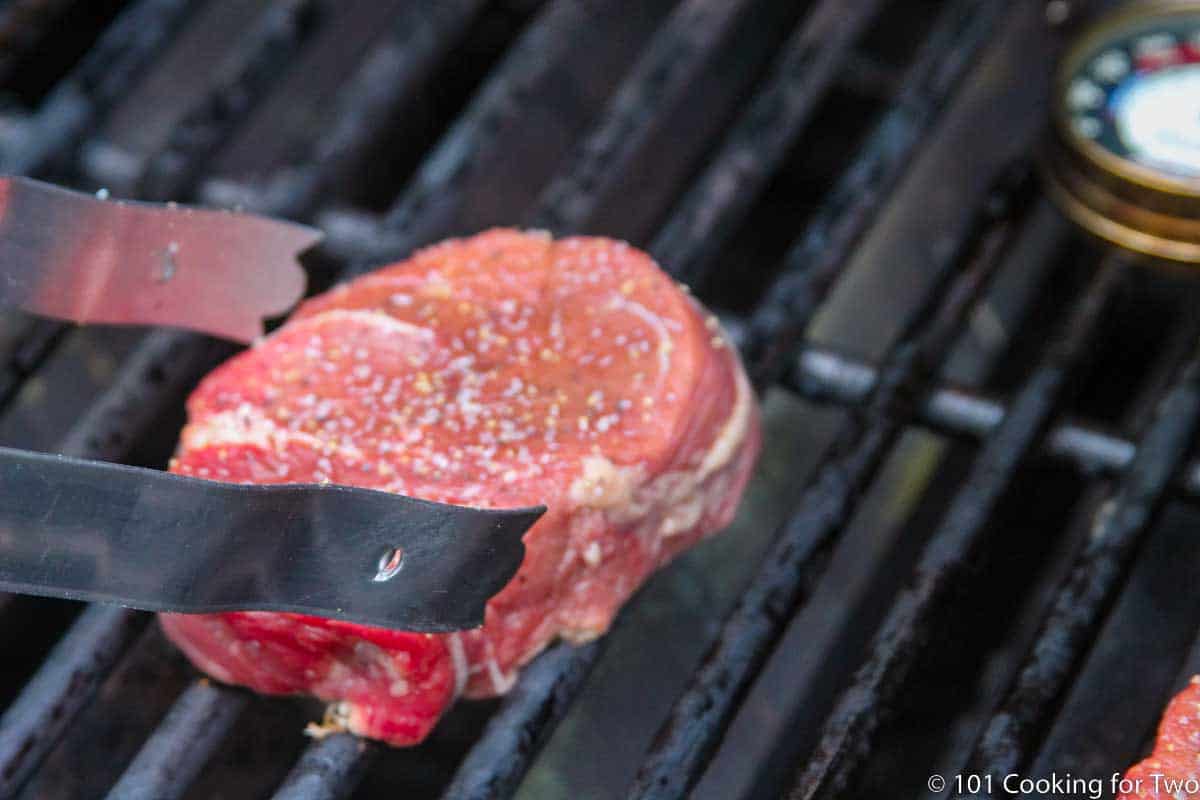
x,y
942,568
800,553
671,63
277,39
329,769
709,212
172,173
70,674
513,737
162,770
44,142
849,213
1116,530
890,397
510,743
815,261
390,74
163,366
178,360
427,209
48,138
827,376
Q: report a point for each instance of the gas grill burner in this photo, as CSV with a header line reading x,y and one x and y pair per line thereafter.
x,y
971,547
1125,162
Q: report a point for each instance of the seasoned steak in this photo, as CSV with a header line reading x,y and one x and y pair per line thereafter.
x,y
503,370
1172,771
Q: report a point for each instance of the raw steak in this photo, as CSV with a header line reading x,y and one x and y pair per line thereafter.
x,y
1172,771
507,369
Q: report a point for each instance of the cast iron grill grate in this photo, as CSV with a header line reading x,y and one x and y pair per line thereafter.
x,y
715,133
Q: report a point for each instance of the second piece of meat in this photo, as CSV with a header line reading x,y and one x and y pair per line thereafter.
x,y
1172,771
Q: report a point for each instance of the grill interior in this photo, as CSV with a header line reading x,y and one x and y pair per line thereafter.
x,y
964,546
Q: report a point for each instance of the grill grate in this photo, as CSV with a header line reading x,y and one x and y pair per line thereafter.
x,y
828,376
1116,529
202,716
943,565
720,199
699,198
45,139
269,48
328,770
390,73
800,553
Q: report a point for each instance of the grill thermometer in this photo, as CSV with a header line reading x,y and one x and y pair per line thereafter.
x,y
1123,159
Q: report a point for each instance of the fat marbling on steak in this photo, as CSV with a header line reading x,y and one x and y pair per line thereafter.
x,y
503,370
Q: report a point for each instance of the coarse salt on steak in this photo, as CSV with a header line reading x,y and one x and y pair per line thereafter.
x,y
503,370
1172,770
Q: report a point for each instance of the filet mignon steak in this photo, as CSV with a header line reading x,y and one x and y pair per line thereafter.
x,y
503,370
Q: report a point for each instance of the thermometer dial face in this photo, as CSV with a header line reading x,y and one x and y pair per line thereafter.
x,y
1135,93
1123,157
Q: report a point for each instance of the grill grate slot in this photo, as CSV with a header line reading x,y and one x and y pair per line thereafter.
x,y
847,735
269,49
178,359
36,145
492,771
174,755
44,40
814,261
716,204
513,737
672,62
32,343
156,375
1115,531
389,76
69,675
824,375
801,550
435,196
126,49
